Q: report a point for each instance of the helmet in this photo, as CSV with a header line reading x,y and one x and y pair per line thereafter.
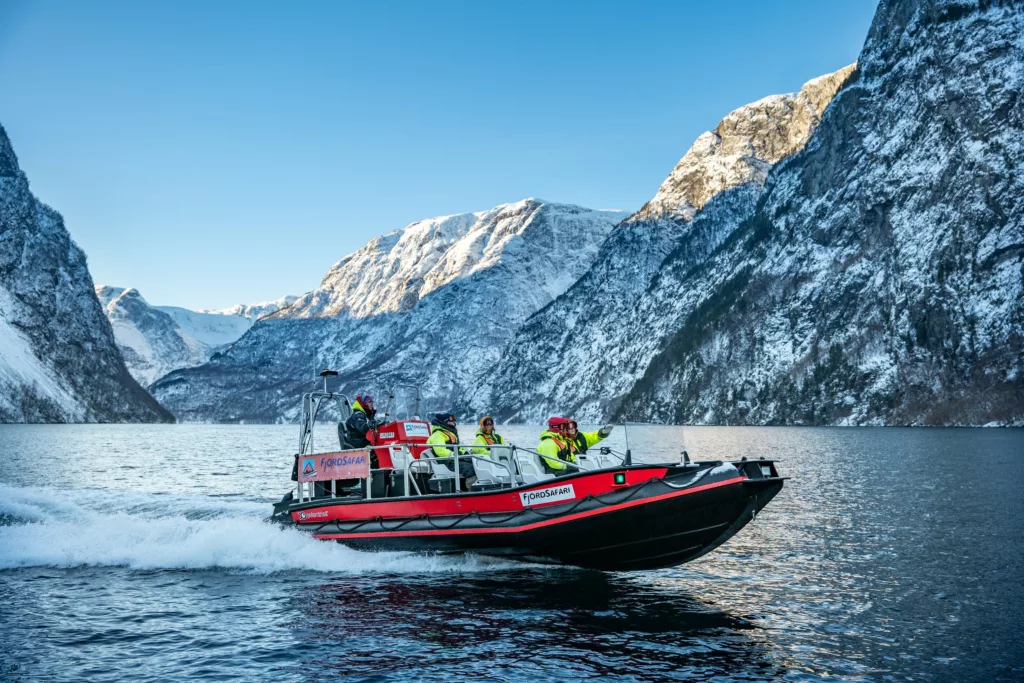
x,y
444,418
556,422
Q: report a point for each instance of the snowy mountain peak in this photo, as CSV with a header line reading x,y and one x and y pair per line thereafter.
x,y
432,304
156,340
743,147
253,311
395,271
106,293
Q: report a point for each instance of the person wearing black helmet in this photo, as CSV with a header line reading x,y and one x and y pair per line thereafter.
x,y
444,431
357,432
360,424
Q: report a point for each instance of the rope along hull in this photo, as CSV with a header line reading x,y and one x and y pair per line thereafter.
x,y
660,516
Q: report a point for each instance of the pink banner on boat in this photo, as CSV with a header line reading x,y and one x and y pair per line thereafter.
x,y
339,465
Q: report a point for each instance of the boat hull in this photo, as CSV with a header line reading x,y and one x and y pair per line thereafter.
x,y
663,516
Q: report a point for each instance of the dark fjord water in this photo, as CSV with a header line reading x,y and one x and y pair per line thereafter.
x,y
138,553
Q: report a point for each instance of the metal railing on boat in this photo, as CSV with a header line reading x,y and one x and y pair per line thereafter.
x,y
459,451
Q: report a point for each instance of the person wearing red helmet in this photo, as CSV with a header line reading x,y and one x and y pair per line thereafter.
x,y
555,450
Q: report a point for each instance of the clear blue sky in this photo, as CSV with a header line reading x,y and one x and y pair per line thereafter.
x,y
227,152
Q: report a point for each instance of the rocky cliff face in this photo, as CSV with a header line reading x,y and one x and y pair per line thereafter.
x,y
743,147
432,304
879,279
58,359
582,353
155,340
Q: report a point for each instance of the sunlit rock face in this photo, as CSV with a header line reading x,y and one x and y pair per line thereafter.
x,y
58,359
743,147
879,279
156,340
582,353
431,304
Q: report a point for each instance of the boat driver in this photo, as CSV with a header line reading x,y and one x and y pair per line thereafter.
x,y
357,431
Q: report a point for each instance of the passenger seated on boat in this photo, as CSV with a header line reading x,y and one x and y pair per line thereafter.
x,y
486,436
444,431
554,448
579,441
357,432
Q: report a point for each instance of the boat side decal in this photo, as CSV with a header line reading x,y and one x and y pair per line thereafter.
x,y
554,494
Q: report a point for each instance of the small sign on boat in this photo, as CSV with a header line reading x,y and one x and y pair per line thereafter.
x,y
416,429
554,494
340,465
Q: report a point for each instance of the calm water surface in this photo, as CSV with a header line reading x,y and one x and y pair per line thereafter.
x,y
138,552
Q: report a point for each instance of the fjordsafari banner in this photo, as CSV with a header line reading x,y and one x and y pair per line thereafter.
x,y
339,465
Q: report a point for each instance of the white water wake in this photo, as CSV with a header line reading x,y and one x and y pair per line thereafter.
x,y
47,527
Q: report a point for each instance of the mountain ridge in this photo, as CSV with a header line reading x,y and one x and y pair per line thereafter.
x,y
879,280
431,303
582,352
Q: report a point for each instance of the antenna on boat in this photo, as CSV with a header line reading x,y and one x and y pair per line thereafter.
x,y
628,460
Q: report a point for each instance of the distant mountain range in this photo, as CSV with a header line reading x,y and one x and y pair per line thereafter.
x,y
156,340
852,253
432,304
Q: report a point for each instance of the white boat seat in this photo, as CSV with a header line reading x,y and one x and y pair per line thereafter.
x,y
486,471
594,460
400,458
531,469
440,471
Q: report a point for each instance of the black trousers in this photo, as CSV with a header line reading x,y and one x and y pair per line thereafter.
x,y
558,473
466,468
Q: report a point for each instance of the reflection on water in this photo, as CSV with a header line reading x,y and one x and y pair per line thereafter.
x,y
517,624
141,553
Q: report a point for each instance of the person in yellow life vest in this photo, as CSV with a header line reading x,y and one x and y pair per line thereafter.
x,y
444,431
579,441
486,436
554,449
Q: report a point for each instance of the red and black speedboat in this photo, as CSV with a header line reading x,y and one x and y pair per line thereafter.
x,y
609,514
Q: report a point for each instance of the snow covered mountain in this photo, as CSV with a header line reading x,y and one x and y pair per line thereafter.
x,y
433,303
58,359
585,351
155,340
879,280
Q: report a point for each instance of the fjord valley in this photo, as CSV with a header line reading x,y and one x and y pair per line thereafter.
x,y
337,395
846,254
